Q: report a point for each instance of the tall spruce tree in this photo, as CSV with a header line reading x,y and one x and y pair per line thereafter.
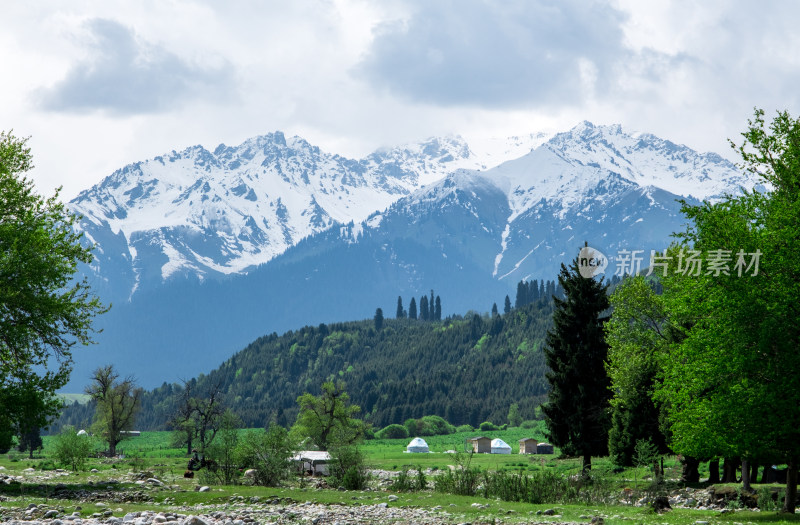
x,y
494,310
400,312
576,412
507,305
437,311
424,314
412,309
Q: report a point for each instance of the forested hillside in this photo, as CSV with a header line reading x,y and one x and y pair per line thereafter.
x,y
466,369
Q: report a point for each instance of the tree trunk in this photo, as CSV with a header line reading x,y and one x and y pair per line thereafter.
x,y
713,471
753,471
587,463
746,476
729,470
791,487
112,449
690,472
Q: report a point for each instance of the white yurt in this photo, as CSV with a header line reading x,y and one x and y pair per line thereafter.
x,y
417,445
500,447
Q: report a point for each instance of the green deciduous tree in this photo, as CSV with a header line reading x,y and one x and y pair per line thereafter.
x,y
576,412
224,450
328,419
732,385
44,313
118,401
638,337
269,453
72,450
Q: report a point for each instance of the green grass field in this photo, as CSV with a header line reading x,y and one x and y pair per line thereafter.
x,y
152,451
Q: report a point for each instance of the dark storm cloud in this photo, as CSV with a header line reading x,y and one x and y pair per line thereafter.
x,y
124,75
498,54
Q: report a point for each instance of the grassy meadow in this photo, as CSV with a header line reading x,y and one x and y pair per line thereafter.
x,y
152,452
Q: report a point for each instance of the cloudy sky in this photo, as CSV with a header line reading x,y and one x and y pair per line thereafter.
x,y
98,84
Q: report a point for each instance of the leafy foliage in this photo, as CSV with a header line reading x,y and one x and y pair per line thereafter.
x,y
72,450
269,453
328,420
44,313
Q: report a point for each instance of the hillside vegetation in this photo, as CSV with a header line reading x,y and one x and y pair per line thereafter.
x,y
467,370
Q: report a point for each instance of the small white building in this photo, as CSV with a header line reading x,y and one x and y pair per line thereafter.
x,y
417,445
500,447
314,462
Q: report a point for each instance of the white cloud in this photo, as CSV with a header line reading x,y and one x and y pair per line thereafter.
x,y
100,84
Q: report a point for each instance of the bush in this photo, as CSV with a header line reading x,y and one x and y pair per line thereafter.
x,y
428,426
529,423
72,450
462,480
488,425
393,431
404,482
348,469
464,428
268,453
223,451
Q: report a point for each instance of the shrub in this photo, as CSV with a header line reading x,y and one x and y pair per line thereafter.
x,y
72,450
464,428
428,426
223,451
437,426
393,431
404,482
462,480
529,423
487,426
268,453
348,469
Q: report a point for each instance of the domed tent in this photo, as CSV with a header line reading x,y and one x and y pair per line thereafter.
x,y
500,447
417,445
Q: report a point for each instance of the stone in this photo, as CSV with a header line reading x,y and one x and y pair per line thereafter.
x,y
195,520
204,489
250,473
392,497
549,512
50,514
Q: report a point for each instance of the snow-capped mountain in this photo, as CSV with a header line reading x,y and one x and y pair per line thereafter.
x,y
336,238
198,213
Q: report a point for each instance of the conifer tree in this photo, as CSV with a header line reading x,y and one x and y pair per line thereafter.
x,y
400,312
412,309
520,301
423,308
432,301
494,310
507,305
437,311
576,412
378,319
